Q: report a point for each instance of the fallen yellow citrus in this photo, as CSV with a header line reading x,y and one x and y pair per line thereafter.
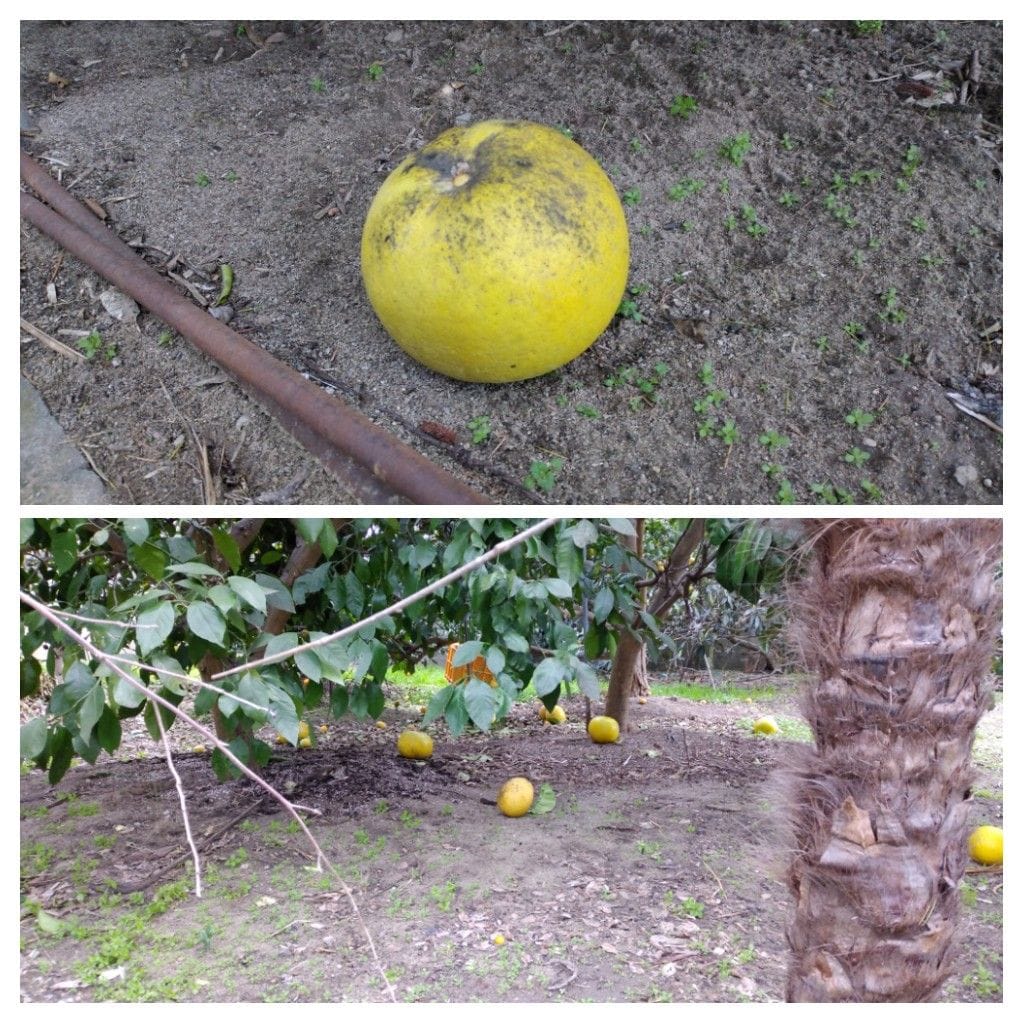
x,y
986,845
603,729
305,743
199,749
303,730
381,724
497,252
556,716
515,797
415,744
766,726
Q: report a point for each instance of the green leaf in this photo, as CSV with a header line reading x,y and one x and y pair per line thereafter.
x,y
455,714
78,683
126,695
31,673
378,662
223,597
228,548
252,688
593,642
467,653
586,678
86,748
33,738
90,711
249,591
544,801
136,530
311,582
151,560
355,595
204,620
481,701
558,587
374,699
108,731
27,528
604,603
568,559
495,660
583,533
514,641
309,529
547,675
153,626
277,593
60,751
624,527
438,704
64,549
308,663
328,538
168,716
192,569
339,701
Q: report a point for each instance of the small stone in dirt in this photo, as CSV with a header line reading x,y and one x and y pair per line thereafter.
x,y
225,314
396,35
966,475
119,305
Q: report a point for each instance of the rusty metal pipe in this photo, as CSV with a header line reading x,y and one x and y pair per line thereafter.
x,y
338,435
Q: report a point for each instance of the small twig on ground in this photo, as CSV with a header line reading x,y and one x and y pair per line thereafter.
x,y
50,342
562,28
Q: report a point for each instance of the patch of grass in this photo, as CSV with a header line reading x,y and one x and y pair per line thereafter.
x,y
632,197
443,896
982,981
682,106
795,729
685,188
541,476
81,809
93,345
712,694
734,149
374,71
686,906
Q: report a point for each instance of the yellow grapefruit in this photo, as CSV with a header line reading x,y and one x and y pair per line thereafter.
x,y
603,729
986,845
412,743
515,797
497,252
766,726
556,716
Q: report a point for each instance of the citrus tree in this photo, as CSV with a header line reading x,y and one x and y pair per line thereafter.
x,y
185,603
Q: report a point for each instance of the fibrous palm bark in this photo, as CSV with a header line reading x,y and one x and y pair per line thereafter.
x,y
897,621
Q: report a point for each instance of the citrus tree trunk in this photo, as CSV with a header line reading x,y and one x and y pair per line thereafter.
x,y
629,666
897,621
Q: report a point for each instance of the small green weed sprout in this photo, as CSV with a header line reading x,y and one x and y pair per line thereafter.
x,y
735,149
682,106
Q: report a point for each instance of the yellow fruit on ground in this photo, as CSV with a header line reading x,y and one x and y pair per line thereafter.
x,y
766,726
305,742
603,729
322,729
497,252
556,716
415,744
515,797
199,749
641,700
986,845
381,724
423,709
303,730
280,739
498,939
543,713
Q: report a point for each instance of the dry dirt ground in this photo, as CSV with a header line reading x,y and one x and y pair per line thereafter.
x,y
656,875
816,239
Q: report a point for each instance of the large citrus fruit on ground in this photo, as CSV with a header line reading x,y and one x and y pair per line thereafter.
x,y
986,845
515,798
766,726
603,729
412,743
497,252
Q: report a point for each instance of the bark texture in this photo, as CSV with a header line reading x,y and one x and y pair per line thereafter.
x,y
897,621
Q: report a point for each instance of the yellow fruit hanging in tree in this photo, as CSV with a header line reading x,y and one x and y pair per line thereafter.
x,y
497,252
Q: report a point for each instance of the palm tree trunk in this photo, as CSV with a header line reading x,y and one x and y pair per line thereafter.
x,y
897,621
